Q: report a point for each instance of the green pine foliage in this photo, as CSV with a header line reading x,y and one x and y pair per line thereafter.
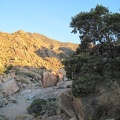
x,y
97,59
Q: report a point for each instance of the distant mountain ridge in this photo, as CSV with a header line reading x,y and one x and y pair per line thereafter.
x,y
32,49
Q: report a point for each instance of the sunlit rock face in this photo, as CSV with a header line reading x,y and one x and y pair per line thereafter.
x,y
33,49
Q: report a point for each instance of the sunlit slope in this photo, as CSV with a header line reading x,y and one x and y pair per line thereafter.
x,y
33,49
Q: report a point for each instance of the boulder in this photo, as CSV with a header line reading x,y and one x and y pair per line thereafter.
x,y
13,100
8,87
71,106
49,79
61,76
107,105
78,109
8,76
62,71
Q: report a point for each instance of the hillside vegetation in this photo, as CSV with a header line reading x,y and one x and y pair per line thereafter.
x,y
32,49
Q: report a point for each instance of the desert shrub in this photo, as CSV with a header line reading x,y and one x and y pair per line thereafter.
x,y
41,106
51,107
8,68
36,107
85,85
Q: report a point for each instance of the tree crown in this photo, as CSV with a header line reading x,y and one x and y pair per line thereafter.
x,y
97,26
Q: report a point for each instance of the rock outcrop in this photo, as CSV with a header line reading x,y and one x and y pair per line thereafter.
x,y
71,106
49,79
8,87
107,105
62,71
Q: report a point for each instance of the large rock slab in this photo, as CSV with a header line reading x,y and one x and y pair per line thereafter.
x,y
107,105
8,87
71,106
50,92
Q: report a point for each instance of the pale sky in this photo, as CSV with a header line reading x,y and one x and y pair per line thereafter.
x,y
48,17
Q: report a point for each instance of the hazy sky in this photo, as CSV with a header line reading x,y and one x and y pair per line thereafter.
x,y
47,17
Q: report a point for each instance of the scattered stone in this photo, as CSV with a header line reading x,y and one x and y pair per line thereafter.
x,y
13,100
23,85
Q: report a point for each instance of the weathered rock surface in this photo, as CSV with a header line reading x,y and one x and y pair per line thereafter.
x,y
62,71
52,78
24,117
107,105
65,84
8,87
3,117
18,103
71,106
49,79
57,117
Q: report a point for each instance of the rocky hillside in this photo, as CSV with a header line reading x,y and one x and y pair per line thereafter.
x,y
32,49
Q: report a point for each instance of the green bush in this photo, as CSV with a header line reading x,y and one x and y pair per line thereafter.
x,y
36,107
41,106
85,85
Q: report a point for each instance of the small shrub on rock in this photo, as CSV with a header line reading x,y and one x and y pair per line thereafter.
x,y
36,107
40,107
